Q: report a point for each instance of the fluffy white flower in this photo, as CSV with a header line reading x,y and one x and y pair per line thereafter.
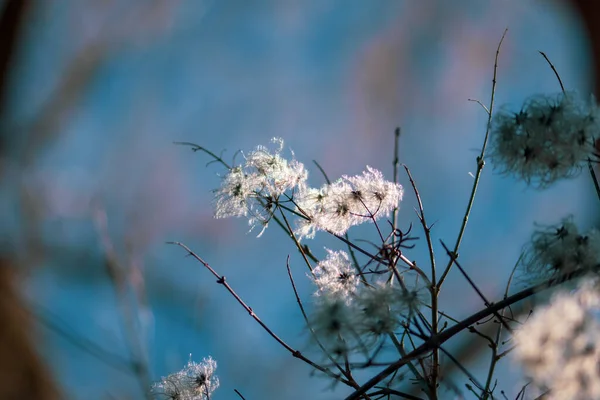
x,y
347,202
335,275
250,190
559,346
232,197
278,175
548,139
196,381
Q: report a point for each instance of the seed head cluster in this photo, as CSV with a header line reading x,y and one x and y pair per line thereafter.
x,y
248,190
559,347
548,139
558,250
196,381
266,178
351,317
351,200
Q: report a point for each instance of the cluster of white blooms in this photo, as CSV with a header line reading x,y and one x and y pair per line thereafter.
x,y
335,275
547,140
349,201
559,347
196,381
250,189
559,250
349,316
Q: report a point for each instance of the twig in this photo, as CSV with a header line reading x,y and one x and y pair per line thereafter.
x,y
462,368
562,87
42,315
139,363
396,164
196,147
295,353
442,337
312,331
594,177
480,164
474,286
433,289
495,357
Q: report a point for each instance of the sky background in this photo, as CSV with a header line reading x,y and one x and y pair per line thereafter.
x,y
101,90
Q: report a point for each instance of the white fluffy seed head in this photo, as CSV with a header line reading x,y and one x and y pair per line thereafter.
x,y
250,189
559,346
335,276
349,201
196,381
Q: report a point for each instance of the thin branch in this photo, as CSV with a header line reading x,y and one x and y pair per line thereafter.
x,y
295,353
47,319
195,147
474,286
562,87
462,368
312,331
495,357
322,172
481,104
442,337
130,332
396,164
480,164
594,177
433,290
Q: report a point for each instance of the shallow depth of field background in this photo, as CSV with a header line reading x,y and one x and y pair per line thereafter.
x,y
103,89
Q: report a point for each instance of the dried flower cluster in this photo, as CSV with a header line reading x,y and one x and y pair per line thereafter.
x,y
559,346
196,381
349,201
351,317
558,250
548,139
267,179
250,189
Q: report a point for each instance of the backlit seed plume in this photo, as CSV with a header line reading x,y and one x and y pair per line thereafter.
x,y
250,189
558,250
347,202
196,381
548,139
335,275
559,346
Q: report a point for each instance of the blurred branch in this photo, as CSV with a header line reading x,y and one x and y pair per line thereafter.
x,y
10,22
131,335
57,325
22,374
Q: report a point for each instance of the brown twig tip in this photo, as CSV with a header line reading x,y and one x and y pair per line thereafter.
x,y
562,87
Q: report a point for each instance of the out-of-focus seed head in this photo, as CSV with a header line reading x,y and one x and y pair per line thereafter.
x,y
548,139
